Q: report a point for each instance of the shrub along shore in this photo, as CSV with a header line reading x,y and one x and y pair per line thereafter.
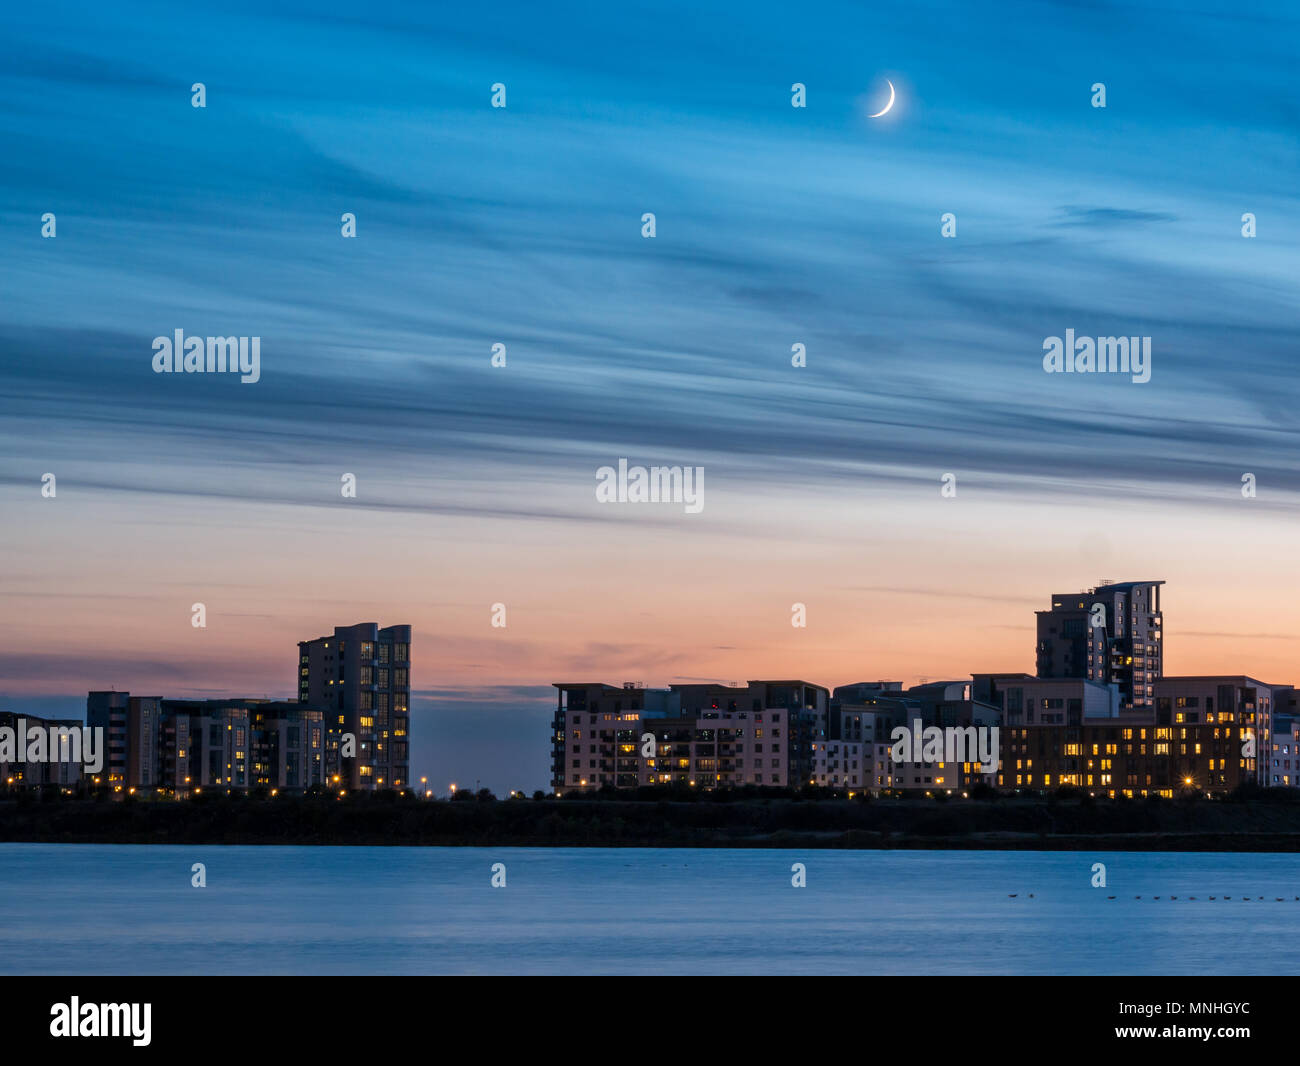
x,y
1249,820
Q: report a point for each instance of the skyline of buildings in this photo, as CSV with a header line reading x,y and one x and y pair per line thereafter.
x,y
349,729
479,486
1099,714
923,352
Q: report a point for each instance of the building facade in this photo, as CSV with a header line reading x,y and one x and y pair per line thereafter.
x,y
361,679
1114,759
1230,700
182,746
842,764
702,736
1113,634
108,711
61,756
1026,700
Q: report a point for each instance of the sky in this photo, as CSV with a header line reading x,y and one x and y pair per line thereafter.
x,y
522,226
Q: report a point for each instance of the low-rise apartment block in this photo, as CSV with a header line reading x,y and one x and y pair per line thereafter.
x,y
1114,759
182,746
703,736
61,761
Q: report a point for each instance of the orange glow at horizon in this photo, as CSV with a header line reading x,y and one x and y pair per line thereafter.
x,y
932,588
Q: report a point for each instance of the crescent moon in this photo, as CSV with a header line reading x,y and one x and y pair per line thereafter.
x,y
885,109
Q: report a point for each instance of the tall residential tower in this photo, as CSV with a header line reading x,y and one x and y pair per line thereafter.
x,y
361,678
1112,633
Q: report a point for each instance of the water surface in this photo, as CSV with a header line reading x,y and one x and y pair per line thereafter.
x,y
126,909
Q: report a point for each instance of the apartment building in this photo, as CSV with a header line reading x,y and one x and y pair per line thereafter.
x,y
769,733
108,711
869,726
866,725
719,749
1026,700
867,713
182,746
937,775
941,704
288,746
143,737
1114,759
132,726
844,764
59,769
590,718
1284,768
240,744
1113,633
205,744
807,708
1234,700
706,736
361,678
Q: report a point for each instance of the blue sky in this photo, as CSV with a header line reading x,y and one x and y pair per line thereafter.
x,y
475,225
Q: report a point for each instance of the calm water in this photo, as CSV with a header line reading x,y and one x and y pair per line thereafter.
x,y
284,910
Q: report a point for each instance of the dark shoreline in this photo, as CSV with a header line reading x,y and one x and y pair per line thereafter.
x,y
1010,823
